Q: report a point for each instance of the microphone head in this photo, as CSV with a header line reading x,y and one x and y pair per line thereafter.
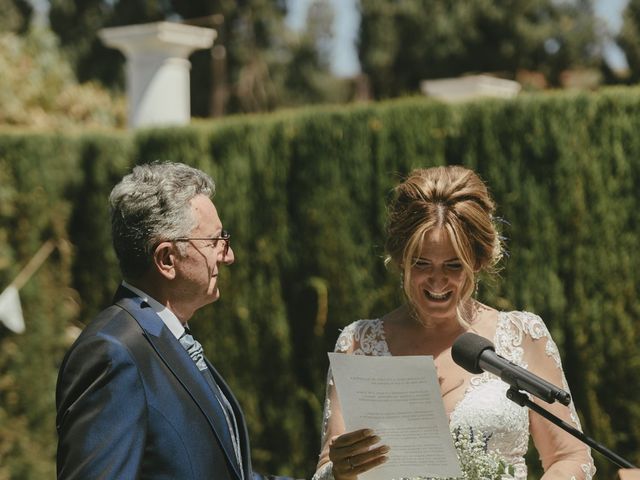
x,y
466,351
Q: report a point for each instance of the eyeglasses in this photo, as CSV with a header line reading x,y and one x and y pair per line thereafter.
x,y
224,237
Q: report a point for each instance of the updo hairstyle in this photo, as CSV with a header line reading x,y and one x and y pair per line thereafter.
x,y
450,197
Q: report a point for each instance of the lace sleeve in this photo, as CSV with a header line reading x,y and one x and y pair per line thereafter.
x,y
332,422
324,472
562,455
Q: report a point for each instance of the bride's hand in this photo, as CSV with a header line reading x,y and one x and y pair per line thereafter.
x,y
352,455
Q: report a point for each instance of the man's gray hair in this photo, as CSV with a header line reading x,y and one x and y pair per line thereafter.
x,y
151,205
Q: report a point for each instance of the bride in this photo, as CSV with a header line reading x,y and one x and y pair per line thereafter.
x,y
440,236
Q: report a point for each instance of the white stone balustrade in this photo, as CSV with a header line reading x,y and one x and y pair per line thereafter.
x,y
469,87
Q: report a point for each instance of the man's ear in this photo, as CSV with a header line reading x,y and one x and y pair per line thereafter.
x,y
164,260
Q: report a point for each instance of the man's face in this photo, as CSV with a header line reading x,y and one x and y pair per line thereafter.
x,y
197,269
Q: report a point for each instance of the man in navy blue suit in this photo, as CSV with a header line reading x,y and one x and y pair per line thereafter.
x,y
136,398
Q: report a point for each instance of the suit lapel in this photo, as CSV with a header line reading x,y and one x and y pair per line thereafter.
x,y
240,422
183,368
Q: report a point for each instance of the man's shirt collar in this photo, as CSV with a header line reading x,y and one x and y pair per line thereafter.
x,y
166,315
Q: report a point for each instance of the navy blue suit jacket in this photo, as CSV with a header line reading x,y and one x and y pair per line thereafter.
x,y
131,404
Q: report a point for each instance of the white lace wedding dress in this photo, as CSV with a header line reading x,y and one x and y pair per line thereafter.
x,y
478,402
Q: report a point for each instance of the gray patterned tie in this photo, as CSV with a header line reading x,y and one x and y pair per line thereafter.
x,y
194,349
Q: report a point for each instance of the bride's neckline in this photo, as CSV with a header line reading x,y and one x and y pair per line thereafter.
x,y
404,335
469,383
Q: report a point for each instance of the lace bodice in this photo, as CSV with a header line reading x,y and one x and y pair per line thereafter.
x,y
482,406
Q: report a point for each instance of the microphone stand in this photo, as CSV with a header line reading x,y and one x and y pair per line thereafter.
x,y
522,399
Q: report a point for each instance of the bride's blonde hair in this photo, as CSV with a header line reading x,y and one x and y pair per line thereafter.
x,y
453,198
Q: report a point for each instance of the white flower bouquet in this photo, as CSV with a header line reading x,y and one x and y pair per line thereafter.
x,y
476,461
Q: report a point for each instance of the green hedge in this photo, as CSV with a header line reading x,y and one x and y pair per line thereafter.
x,y
303,193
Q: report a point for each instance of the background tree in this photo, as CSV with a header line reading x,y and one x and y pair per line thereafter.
x,y
76,23
257,64
306,77
16,15
404,42
629,38
248,47
254,65
38,87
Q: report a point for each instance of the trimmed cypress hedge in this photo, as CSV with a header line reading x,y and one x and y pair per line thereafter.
x,y
303,193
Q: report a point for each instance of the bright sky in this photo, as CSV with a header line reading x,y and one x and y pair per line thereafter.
x,y
345,58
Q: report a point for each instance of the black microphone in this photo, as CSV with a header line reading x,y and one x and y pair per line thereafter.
x,y
477,354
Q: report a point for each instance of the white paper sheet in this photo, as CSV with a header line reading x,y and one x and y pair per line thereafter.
x,y
399,399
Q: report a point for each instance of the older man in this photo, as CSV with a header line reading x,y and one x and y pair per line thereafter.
x,y
136,397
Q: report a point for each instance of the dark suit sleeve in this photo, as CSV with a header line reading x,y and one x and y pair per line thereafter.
x,y
101,412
